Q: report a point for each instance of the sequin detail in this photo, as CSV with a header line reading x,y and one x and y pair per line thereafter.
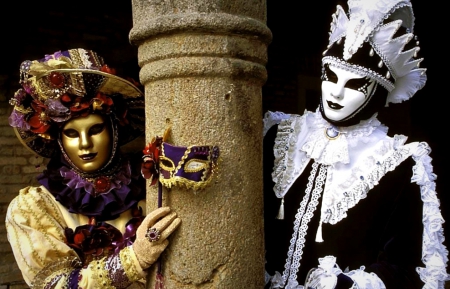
x,y
116,272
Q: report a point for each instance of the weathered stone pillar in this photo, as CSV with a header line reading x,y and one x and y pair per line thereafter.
x,y
203,65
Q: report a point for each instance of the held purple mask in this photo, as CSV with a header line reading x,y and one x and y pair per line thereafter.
x,y
191,166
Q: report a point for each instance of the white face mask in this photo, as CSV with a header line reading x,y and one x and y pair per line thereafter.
x,y
344,93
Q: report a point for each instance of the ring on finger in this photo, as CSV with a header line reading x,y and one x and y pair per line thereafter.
x,y
153,234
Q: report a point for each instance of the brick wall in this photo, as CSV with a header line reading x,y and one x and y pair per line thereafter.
x,y
18,168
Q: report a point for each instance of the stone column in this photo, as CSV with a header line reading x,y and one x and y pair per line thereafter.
x,y
203,66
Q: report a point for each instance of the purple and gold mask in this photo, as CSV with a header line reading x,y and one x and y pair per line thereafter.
x,y
191,166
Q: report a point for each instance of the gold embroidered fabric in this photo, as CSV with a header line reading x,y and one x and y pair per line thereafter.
x,y
130,264
58,272
100,275
35,224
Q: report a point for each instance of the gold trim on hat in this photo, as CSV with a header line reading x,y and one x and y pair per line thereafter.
x,y
111,84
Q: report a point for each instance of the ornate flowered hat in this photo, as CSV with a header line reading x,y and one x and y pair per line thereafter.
x,y
68,84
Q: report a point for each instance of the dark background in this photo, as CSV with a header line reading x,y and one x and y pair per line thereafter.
x,y
31,29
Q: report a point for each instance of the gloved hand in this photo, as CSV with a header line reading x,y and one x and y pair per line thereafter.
x,y
152,234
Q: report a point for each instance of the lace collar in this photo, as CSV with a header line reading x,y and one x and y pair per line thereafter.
x,y
302,138
328,144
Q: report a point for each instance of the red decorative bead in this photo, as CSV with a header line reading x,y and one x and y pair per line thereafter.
x,y
56,79
66,98
102,184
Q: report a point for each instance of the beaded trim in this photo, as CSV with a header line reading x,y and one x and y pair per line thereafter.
x,y
209,166
359,70
100,274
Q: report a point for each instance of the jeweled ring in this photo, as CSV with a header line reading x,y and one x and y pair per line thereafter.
x,y
152,234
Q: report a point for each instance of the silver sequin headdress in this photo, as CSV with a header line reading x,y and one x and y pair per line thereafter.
x,y
372,39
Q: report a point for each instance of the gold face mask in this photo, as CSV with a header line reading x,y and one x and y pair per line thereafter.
x,y
88,142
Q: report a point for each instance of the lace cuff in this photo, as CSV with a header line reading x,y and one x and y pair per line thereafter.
x,y
365,280
328,272
130,264
116,271
325,276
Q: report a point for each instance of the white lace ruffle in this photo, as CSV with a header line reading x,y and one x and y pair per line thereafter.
x,y
289,162
272,118
346,186
85,58
302,138
325,277
434,252
324,150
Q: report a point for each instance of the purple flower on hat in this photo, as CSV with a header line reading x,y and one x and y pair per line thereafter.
x,y
57,111
16,120
19,96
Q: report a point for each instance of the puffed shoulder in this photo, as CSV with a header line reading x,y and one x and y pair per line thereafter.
x,y
35,229
33,206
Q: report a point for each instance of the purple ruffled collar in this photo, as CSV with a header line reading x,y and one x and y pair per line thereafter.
x,y
90,185
103,196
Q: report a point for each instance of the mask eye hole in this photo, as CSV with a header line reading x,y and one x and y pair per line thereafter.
x,y
357,83
195,165
329,75
166,164
71,133
96,129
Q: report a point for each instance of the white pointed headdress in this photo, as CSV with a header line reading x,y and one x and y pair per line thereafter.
x,y
376,24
